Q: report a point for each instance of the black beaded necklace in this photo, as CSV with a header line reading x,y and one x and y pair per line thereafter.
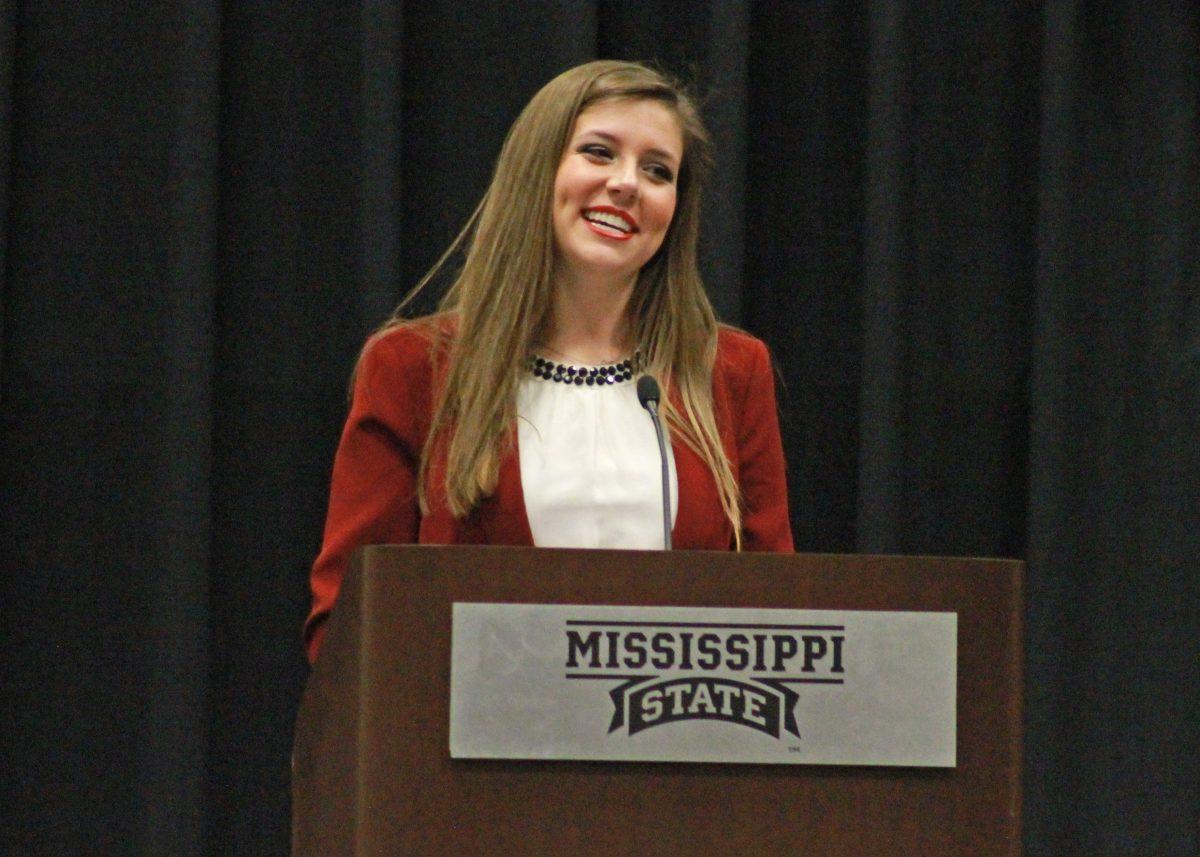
x,y
592,376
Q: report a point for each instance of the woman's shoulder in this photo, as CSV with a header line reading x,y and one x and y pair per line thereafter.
x,y
410,344
400,368
739,351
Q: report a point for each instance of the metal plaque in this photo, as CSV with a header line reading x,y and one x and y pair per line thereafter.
x,y
697,684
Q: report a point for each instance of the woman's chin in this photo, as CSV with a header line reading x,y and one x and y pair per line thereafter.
x,y
600,266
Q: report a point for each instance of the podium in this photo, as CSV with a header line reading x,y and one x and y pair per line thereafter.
x,y
372,772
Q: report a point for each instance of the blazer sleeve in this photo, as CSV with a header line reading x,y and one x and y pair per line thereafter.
x,y
762,473
373,496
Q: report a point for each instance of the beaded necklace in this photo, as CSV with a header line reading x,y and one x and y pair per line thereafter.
x,y
591,376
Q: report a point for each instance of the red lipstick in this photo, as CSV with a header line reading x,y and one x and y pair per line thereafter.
x,y
608,229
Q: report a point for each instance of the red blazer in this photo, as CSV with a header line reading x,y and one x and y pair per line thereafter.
x,y
373,498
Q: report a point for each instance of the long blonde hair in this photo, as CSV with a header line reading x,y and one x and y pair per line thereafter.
x,y
501,300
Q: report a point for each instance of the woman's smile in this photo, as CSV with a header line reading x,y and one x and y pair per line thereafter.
x,y
610,222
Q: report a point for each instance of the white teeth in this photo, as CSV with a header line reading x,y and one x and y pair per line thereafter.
x,y
606,219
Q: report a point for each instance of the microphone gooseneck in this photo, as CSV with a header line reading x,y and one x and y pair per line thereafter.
x,y
648,396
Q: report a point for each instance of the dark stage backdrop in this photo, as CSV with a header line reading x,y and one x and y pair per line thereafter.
x,y
970,233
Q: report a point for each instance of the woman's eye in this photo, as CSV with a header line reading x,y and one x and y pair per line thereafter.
x,y
595,150
661,173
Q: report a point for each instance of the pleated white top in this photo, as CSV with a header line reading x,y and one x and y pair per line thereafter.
x,y
590,467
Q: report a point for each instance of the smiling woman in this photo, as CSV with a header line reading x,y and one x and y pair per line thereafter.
x,y
508,417
614,193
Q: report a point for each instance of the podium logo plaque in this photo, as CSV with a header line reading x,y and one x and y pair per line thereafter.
x,y
703,685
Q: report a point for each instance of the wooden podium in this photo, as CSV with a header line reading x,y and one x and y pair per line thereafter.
x,y
372,773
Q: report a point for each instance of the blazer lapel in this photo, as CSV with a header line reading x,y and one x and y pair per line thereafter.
x,y
502,516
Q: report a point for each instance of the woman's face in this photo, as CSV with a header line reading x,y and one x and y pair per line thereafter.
x,y
614,193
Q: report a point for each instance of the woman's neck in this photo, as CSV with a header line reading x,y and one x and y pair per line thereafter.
x,y
590,322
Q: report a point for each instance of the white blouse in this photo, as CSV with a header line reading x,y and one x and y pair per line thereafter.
x,y
590,467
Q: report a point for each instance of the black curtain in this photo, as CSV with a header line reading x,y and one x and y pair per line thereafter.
x,y
969,232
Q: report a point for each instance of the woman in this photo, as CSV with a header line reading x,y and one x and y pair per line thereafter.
x,y
510,417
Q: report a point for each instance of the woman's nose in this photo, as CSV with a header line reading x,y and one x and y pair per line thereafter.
x,y
622,184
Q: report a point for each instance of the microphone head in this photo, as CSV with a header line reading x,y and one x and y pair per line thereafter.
x,y
647,390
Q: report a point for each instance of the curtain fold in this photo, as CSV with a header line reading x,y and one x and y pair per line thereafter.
x,y
947,279
1114,501
106,429
969,235
806,177
8,49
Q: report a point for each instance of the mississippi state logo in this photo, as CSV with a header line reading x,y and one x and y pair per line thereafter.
x,y
667,672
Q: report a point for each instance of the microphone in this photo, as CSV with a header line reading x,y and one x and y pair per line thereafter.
x,y
648,396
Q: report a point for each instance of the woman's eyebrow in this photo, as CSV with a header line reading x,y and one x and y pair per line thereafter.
x,y
612,138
